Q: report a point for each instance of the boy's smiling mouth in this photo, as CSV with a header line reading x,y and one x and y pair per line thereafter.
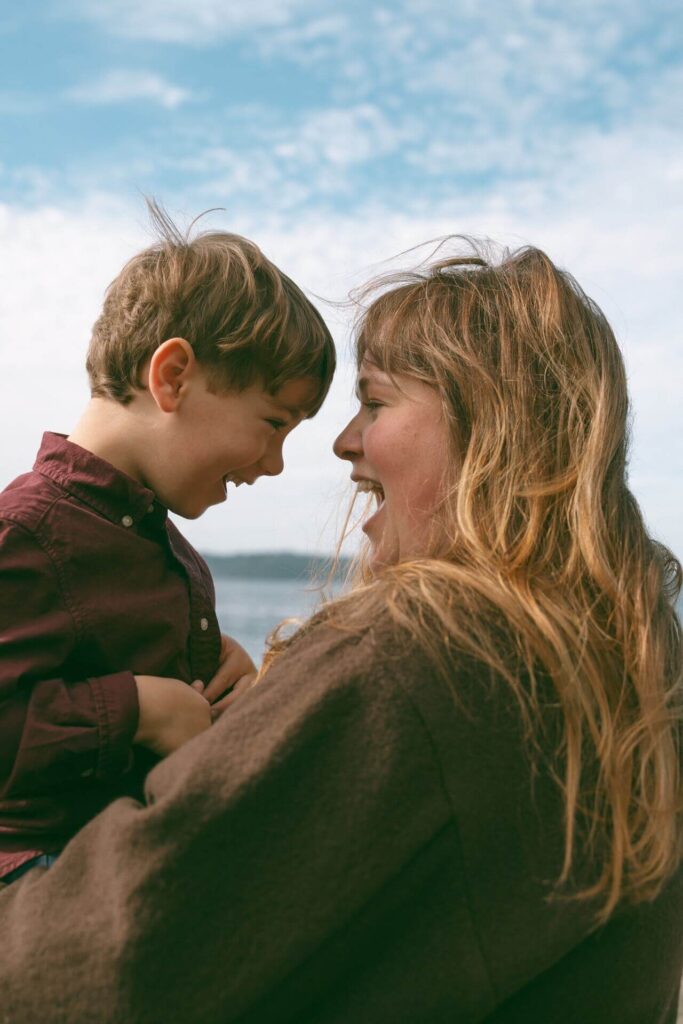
x,y
230,479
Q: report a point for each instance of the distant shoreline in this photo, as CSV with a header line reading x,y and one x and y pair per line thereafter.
x,y
288,565
272,565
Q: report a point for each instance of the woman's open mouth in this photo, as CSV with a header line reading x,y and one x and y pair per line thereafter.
x,y
367,486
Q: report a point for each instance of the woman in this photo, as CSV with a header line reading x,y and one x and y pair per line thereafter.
x,y
456,794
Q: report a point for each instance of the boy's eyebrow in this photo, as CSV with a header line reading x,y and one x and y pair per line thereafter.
x,y
293,412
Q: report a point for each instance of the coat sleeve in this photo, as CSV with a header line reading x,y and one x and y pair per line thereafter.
x,y
261,845
53,730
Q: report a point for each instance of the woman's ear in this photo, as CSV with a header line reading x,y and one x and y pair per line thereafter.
x,y
169,372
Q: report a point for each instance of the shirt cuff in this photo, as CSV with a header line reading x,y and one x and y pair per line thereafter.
x,y
116,701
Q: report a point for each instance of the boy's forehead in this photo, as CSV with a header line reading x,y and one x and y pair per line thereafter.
x,y
297,397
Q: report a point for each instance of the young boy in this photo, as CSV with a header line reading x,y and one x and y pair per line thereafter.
x,y
204,358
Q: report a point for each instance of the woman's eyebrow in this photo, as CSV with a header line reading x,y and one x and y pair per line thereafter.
x,y
376,380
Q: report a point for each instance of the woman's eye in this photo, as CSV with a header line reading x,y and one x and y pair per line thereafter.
x,y
371,405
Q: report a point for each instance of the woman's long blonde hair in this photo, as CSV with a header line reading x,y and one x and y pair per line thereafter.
x,y
546,554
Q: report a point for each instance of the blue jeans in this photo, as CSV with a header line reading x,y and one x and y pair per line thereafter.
x,y
45,860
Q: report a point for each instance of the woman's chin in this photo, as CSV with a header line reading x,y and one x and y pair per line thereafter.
x,y
383,549
381,556
374,564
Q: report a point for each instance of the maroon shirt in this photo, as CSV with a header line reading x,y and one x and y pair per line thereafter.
x,y
96,585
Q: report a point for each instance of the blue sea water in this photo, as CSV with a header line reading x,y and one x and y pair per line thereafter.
x,y
248,609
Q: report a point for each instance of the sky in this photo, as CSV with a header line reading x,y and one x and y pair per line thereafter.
x,y
337,135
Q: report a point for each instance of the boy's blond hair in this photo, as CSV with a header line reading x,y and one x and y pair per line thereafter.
x,y
247,322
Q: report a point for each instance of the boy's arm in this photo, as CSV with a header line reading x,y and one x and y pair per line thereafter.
x,y
52,731
55,731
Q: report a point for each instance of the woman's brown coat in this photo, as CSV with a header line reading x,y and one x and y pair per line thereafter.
x,y
348,844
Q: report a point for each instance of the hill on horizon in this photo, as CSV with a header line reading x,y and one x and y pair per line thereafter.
x,y
272,565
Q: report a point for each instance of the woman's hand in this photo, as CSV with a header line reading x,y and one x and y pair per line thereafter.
x,y
171,713
236,673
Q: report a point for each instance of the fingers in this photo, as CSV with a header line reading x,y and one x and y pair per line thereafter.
x,y
240,687
225,678
235,663
235,653
198,685
220,706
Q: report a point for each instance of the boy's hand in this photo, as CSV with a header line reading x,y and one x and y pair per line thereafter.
x,y
236,672
171,713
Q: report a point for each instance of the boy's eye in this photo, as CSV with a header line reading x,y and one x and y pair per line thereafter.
x,y
277,424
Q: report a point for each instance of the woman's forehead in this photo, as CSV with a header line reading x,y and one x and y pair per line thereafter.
x,y
369,373
369,367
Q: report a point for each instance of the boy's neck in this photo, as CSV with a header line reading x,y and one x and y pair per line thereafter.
x,y
112,432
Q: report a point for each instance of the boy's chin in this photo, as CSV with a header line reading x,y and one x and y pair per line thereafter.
x,y
197,513
187,511
196,506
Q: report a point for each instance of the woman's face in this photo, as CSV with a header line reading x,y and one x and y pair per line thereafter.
x,y
397,445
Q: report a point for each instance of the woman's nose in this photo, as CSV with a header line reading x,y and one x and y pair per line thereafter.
x,y
348,443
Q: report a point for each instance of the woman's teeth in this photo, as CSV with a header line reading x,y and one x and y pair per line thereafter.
x,y
371,487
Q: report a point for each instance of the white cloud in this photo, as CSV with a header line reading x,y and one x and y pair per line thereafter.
x,y
451,104
496,53
341,136
308,41
613,215
505,63
55,266
416,99
126,86
184,21
286,165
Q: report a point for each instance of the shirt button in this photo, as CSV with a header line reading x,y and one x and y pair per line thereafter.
x,y
150,509
204,624
127,520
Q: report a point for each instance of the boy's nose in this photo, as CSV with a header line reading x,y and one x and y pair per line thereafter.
x,y
272,462
348,444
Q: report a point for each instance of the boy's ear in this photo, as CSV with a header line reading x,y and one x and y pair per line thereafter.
x,y
170,369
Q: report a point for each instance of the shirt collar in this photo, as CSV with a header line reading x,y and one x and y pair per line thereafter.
x,y
97,483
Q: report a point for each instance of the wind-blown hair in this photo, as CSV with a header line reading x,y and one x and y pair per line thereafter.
x,y
246,320
542,568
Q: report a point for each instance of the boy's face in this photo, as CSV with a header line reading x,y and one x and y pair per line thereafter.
x,y
213,440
